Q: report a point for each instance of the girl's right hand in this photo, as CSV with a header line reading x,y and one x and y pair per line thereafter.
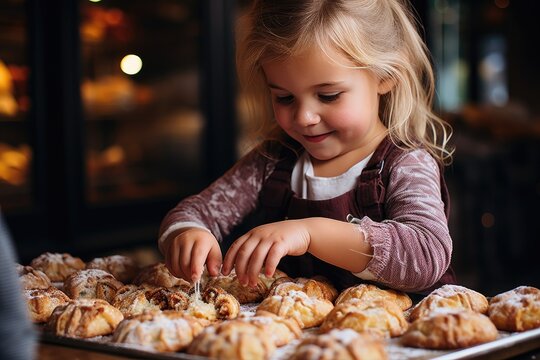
x,y
187,252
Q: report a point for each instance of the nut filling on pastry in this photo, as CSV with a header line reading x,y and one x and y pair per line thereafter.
x,y
92,284
214,304
134,300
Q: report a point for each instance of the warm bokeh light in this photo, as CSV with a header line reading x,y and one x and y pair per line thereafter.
x,y
502,4
131,64
488,220
95,0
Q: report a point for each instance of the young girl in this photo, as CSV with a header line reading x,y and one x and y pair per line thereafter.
x,y
347,182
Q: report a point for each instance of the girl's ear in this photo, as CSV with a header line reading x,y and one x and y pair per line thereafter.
x,y
385,85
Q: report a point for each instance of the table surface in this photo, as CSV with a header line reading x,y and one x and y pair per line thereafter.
x,y
58,352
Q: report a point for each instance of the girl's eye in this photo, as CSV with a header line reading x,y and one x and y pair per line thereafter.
x,y
284,99
329,97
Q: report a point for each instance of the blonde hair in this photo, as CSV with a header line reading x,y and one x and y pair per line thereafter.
x,y
379,35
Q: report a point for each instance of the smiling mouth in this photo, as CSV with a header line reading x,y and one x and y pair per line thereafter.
x,y
316,138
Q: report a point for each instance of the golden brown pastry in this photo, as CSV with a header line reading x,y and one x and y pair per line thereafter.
x,y
84,318
450,329
516,310
343,344
450,296
123,268
380,317
281,330
269,280
312,287
159,330
307,311
57,266
369,292
133,300
31,278
92,284
214,304
42,302
159,275
245,294
233,340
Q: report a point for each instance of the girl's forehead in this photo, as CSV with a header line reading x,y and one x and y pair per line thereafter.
x,y
313,54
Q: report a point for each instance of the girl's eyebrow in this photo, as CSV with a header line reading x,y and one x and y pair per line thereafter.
x,y
326,84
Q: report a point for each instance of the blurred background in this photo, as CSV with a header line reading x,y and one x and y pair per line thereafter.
x,y
112,111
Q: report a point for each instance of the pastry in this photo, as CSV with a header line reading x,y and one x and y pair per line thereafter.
x,y
133,300
31,278
312,287
57,266
450,329
92,284
214,304
516,310
233,340
245,294
381,317
84,318
123,268
159,330
42,302
282,330
159,275
450,296
368,292
307,311
269,280
343,344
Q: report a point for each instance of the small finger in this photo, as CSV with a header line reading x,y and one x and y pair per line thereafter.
x,y
274,256
243,257
256,262
185,261
230,256
214,260
199,254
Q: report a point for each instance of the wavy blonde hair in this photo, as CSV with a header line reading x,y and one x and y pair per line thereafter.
x,y
379,35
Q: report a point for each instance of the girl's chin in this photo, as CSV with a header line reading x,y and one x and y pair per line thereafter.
x,y
321,156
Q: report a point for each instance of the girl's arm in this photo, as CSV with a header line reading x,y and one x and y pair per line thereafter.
x,y
413,249
409,252
223,204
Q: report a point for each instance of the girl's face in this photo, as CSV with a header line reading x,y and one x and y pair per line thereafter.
x,y
327,106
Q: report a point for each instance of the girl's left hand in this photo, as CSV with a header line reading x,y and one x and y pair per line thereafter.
x,y
264,246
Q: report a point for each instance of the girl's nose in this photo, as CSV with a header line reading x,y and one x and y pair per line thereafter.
x,y
307,117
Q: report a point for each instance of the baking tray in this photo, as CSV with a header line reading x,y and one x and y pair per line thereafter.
x,y
506,346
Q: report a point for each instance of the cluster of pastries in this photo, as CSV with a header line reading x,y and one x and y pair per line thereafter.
x,y
453,317
149,307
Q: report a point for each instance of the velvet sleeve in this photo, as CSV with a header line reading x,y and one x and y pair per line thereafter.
x,y
225,203
413,247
